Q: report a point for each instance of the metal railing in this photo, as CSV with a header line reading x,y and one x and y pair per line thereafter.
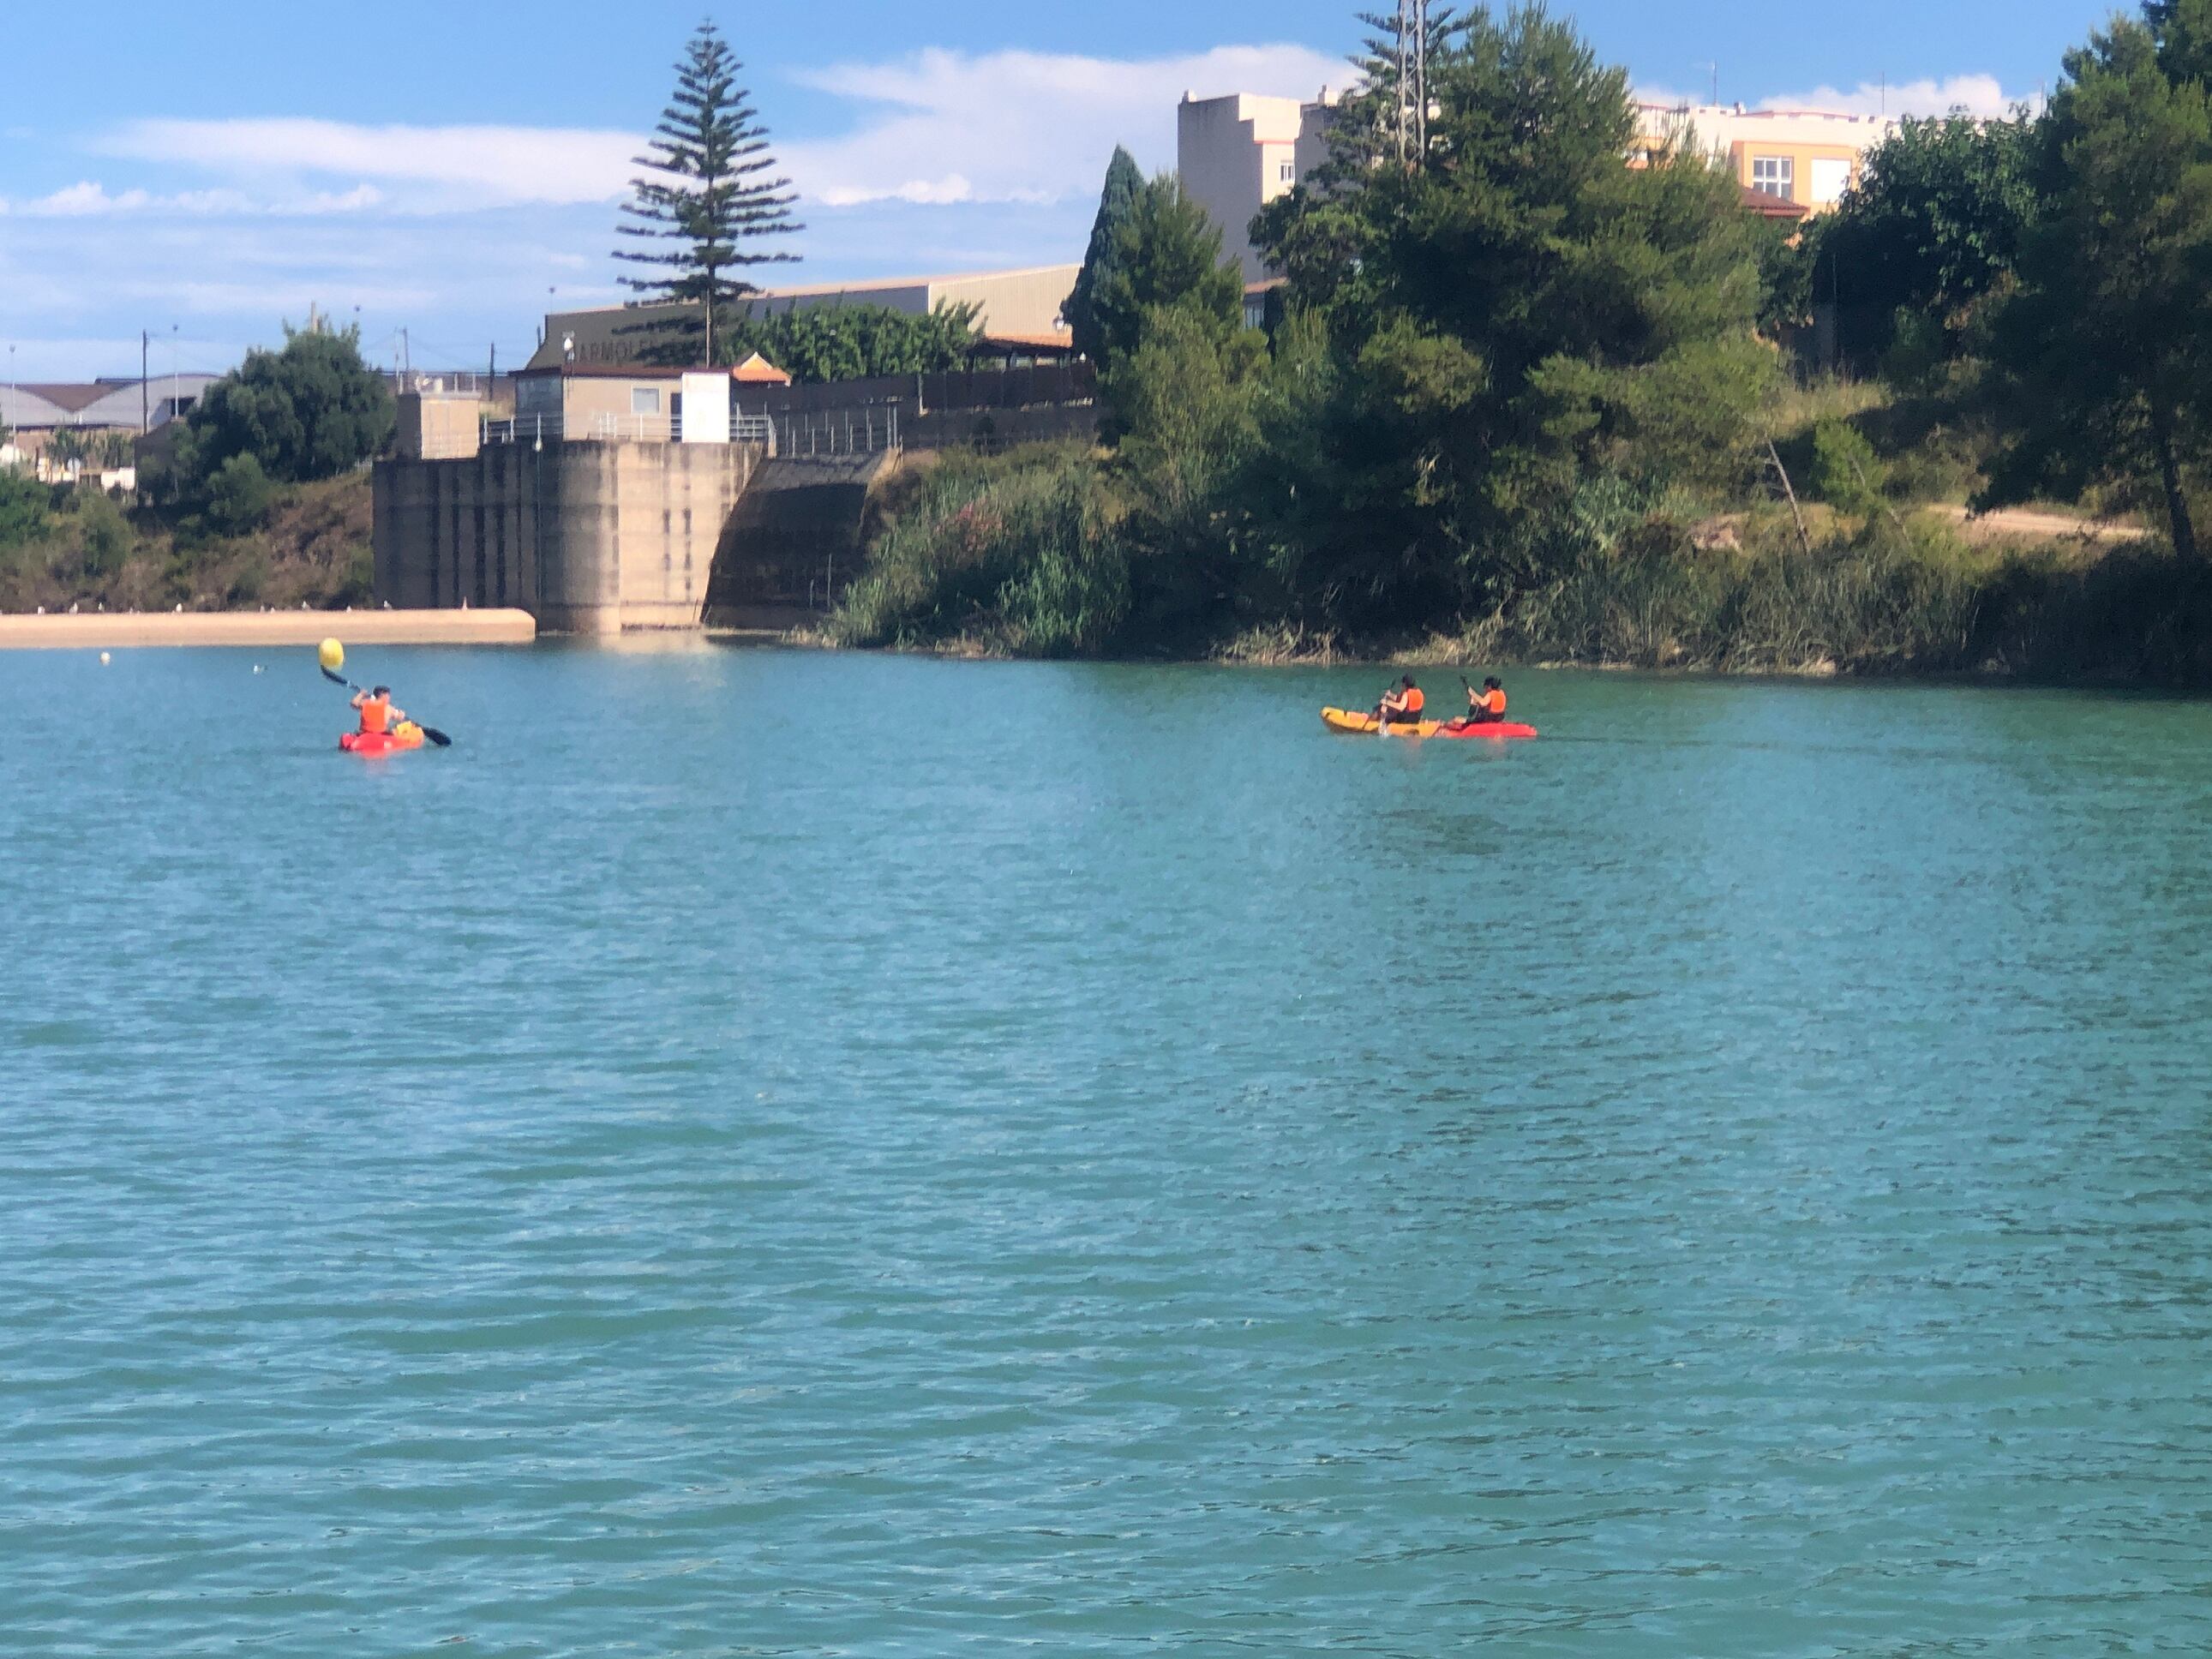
x,y
444,382
538,429
837,432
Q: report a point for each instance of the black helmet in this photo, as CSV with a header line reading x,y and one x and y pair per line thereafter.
x,y
1493,684
1406,681
381,691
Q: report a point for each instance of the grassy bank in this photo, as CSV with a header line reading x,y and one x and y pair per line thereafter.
x,y
1052,552
77,547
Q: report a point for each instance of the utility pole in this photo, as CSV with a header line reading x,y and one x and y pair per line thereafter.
x,y
145,411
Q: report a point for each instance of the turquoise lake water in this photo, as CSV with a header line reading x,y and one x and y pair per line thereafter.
x,y
764,1153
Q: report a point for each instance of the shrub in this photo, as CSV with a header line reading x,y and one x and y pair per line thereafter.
x,y
1021,553
23,515
1846,473
238,495
104,534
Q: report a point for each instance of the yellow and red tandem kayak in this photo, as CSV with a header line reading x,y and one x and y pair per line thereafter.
x,y
1345,719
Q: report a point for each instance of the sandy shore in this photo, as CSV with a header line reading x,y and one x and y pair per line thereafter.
x,y
126,630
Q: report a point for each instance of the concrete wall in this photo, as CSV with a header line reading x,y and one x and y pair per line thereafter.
x,y
438,429
588,537
795,542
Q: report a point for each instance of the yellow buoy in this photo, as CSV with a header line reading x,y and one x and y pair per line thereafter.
x,y
333,655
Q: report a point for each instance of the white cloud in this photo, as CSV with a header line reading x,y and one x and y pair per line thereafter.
x,y
434,168
1978,94
950,127
88,199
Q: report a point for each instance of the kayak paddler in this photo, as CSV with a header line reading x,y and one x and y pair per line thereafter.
x,y
1487,706
378,716
1403,705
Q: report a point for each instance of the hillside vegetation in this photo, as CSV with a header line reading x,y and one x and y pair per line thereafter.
x,y
1522,403
264,500
311,547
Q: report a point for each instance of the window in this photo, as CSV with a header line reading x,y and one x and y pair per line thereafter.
x,y
1775,175
645,400
1287,172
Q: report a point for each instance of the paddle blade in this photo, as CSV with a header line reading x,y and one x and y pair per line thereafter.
x,y
437,737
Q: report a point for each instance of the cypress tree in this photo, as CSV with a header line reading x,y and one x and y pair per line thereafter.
x,y
1124,183
716,189
1167,254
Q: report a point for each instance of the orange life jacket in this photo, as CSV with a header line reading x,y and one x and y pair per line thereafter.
x,y
1414,700
376,715
1492,702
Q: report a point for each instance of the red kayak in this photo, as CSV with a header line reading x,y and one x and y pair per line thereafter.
x,y
408,735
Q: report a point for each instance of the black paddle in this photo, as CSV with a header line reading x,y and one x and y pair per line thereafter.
x,y
430,731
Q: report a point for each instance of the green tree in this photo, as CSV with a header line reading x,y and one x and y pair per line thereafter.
x,y
2105,342
1167,254
312,411
67,445
1845,472
713,194
1184,408
1934,225
23,515
238,495
855,343
1116,202
104,533
1509,314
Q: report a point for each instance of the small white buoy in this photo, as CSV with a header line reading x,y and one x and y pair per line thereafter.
x,y
103,659
257,668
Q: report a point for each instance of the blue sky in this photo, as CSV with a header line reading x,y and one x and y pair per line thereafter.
x,y
451,169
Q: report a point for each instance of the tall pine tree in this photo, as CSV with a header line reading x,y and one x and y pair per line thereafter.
x,y
713,191
1124,183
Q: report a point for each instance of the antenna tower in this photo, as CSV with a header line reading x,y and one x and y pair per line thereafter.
x,y
1413,79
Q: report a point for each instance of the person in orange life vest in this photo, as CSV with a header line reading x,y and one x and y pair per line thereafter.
x,y
1403,705
1487,706
377,714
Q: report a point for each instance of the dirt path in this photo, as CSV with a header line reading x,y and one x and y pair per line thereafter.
x,y
2048,527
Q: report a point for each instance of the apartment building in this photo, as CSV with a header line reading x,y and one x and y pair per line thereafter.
x,y
1236,153
1809,157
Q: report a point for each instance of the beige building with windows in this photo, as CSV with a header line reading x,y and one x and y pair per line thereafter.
x,y
1236,153
1810,157
1012,307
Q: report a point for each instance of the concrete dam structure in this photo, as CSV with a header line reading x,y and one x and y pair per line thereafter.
x,y
639,497
599,538
589,537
